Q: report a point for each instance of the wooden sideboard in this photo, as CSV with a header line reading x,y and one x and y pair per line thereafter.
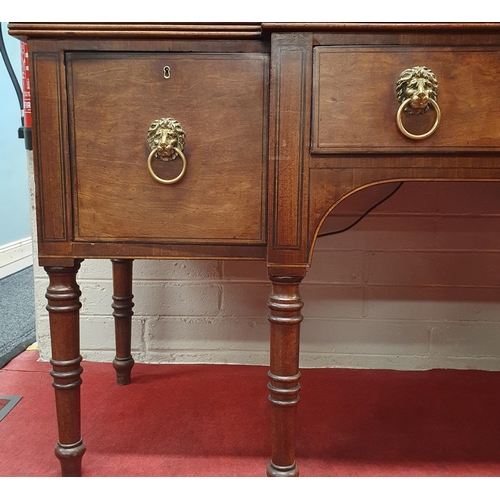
x,y
236,141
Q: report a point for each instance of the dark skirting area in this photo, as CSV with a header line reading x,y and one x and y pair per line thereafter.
x,y
213,421
17,314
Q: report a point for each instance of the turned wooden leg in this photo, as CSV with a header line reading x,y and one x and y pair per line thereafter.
x,y
63,296
285,305
122,312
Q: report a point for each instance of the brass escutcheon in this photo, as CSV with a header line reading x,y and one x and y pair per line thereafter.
x,y
166,139
416,90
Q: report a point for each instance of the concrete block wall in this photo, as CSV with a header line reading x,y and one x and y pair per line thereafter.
x,y
415,285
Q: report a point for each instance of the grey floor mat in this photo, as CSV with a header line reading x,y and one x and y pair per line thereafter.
x,y
17,314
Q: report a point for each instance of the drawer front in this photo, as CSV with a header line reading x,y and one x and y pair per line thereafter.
x,y
355,103
220,101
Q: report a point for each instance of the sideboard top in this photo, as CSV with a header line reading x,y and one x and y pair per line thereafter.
x,y
220,30
135,30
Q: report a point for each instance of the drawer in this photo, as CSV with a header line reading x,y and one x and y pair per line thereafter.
x,y
355,104
221,102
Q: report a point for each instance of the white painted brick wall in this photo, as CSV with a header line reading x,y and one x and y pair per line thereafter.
x,y
416,285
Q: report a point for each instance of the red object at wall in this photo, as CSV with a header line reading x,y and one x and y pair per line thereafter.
x,y
26,85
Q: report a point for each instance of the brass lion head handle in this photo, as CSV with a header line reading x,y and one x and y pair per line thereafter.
x,y
166,140
416,90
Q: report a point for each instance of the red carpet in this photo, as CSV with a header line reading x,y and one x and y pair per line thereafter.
x,y
199,420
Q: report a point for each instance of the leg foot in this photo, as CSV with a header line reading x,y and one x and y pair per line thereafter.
x,y
123,368
70,456
282,471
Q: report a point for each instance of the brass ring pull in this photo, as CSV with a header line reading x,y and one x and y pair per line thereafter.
x,y
416,90
166,140
167,181
421,136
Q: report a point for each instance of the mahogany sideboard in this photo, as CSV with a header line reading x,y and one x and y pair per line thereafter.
x,y
235,141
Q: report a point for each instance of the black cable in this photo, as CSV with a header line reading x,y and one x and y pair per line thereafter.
x,y
12,75
23,132
329,233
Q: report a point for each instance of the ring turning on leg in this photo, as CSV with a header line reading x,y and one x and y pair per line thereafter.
x,y
122,312
285,316
63,296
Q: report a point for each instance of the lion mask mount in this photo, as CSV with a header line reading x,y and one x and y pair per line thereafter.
x,y
164,135
418,84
